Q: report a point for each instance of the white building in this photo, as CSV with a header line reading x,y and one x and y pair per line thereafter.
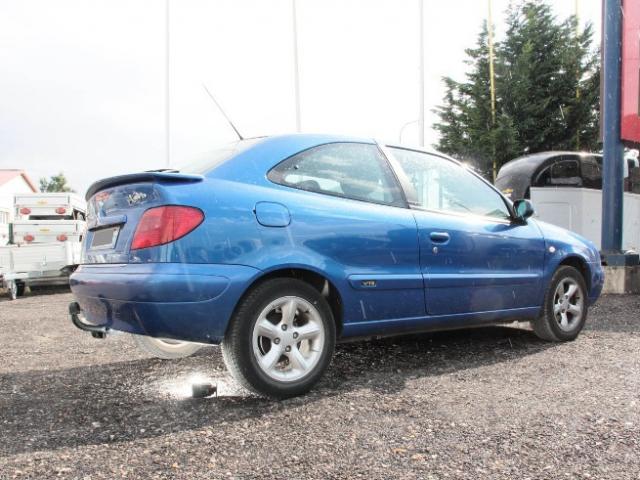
x,y
12,182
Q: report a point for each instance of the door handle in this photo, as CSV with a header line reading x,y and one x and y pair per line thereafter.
x,y
439,237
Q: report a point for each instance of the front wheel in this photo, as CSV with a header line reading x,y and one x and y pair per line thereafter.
x,y
564,312
166,348
281,339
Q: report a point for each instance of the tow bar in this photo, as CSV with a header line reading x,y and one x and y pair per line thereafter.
x,y
78,320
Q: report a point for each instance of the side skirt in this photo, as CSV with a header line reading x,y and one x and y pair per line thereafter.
x,y
403,326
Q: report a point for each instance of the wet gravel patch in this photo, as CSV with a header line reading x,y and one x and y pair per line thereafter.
x,y
492,402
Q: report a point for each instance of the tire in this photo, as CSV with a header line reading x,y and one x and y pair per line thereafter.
x,y
12,288
166,349
562,318
280,339
16,289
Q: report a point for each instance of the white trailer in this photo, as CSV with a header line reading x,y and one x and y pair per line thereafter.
x,y
4,226
580,210
21,265
49,206
46,231
45,241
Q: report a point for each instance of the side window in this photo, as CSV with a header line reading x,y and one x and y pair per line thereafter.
x,y
566,173
352,170
591,173
543,179
440,184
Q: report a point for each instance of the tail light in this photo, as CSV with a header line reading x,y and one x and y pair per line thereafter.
x,y
25,211
162,225
62,237
61,210
29,238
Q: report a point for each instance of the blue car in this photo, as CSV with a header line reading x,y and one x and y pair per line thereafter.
x,y
278,247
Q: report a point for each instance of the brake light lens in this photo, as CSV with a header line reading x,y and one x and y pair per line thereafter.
x,y
25,211
28,238
61,210
162,225
62,237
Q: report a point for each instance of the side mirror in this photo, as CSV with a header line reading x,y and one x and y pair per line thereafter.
x,y
523,209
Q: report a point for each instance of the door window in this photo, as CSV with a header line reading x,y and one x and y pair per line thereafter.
x,y
441,184
565,173
352,170
591,172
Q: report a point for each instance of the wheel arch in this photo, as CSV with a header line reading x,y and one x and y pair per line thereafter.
x,y
312,277
579,264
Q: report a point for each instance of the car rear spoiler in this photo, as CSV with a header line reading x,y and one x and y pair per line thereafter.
x,y
142,177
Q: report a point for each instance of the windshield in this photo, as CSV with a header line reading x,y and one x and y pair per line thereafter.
x,y
206,162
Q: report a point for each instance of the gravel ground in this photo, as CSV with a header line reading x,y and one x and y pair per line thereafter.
x,y
484,403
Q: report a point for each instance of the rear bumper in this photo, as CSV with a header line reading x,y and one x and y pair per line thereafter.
x,y
182,301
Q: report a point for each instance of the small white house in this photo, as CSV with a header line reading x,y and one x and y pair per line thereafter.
x,y
12,182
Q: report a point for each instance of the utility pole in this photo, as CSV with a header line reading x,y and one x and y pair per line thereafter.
x,y
296,68
613,169
492,83
421,67
167,85
577,71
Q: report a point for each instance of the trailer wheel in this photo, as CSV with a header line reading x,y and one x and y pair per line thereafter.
x,y
16,289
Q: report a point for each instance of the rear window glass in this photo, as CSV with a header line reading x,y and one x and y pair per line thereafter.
x,y
206,162
351,170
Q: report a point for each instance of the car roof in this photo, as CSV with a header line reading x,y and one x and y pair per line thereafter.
x,y
266,152
258,158
529,163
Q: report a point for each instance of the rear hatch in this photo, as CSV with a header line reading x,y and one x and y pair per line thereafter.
x,y
115,207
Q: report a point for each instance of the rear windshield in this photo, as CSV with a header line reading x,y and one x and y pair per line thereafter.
x,y
206,162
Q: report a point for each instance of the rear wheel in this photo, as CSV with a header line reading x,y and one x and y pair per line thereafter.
x,y
281,339
565,307
166,348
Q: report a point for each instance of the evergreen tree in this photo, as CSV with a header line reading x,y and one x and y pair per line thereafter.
x,y
466,125
547,92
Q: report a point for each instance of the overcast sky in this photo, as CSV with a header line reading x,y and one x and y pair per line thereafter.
x,y
82,83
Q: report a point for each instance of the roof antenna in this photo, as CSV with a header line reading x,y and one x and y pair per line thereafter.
x,y
223,112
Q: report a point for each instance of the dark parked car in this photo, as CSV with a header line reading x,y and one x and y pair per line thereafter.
x,y
558,169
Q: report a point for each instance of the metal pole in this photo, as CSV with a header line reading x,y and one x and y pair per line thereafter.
x,y
167,100
492,83
577,70
421,63
613,170
296,68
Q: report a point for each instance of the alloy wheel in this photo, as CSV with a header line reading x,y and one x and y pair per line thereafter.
x,y
288,339
568,304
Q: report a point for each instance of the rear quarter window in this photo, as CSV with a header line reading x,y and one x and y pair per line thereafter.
x,y
357,171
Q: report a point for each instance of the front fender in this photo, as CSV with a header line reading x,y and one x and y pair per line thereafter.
x,y
565,247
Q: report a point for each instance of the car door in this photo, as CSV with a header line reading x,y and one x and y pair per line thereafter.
x,y
473,256
349,217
